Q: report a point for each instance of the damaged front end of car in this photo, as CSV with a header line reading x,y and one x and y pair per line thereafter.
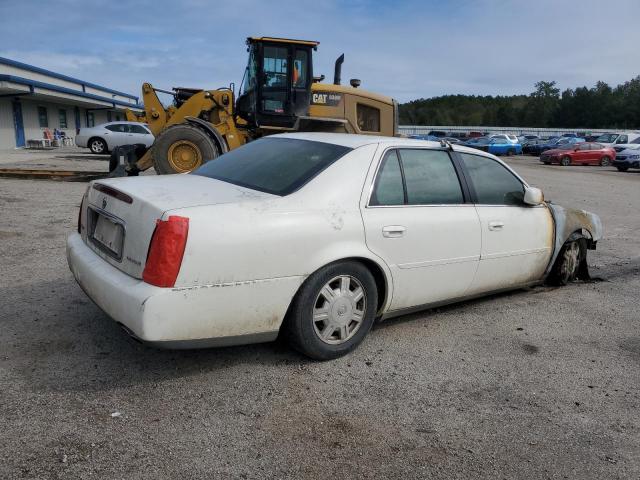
x,y
573,226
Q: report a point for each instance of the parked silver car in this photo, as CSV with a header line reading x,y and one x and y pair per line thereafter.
x,y
104,138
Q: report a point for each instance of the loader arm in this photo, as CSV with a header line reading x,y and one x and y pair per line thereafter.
x,y
212,106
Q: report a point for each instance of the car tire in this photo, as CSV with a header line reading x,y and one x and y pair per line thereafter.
x,y
113,160
622,169
547,163
565,161
333,311
605,161
190,140
511,152
98,146
571,262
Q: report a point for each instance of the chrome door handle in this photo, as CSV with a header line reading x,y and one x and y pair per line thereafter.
x,y
496,225
393,231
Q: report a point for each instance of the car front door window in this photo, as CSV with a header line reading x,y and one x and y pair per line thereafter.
x,y
516,238
494,184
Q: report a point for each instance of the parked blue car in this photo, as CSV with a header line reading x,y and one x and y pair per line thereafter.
x,y
496,146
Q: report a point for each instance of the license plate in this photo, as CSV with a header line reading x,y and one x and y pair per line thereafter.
x,y
109,235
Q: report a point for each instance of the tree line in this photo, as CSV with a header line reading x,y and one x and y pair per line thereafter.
x,y
546,107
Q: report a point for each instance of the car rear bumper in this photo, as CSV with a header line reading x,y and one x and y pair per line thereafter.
x,y
194,317
81,141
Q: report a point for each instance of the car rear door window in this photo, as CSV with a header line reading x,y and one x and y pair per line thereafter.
x,y
416,177
430,177
389,189
116,127
494,184
137,129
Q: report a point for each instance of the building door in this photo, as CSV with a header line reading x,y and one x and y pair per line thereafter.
x,y
76,111
18,125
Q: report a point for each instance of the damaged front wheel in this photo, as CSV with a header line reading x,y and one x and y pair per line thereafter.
x,y
571,263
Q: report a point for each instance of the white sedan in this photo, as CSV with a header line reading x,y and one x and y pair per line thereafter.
x,y
316,236
104,138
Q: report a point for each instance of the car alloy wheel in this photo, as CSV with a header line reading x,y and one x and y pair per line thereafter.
x,y
604,161
565,161
339,309
97,146
333,311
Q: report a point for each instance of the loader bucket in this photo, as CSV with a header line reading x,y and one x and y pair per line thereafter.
x,y
123,160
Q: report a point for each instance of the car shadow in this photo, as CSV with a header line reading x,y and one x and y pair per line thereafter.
x,y
56,339
418,315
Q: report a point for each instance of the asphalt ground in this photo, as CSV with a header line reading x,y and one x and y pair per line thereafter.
x,y
537,383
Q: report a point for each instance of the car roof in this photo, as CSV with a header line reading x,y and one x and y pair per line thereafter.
x,y
355,141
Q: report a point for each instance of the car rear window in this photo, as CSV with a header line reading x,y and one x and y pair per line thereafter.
x,y
279,166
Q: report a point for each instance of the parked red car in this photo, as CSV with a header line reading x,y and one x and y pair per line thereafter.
x,y
587,153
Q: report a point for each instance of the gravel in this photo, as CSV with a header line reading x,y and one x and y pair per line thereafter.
x,y
537,383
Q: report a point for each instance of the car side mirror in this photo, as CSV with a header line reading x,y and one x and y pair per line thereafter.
x,y
533,196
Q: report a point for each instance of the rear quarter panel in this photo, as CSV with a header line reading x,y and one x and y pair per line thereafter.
x,y
279,237
264,250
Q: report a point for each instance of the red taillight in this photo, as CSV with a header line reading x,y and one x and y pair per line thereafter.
x,y
80,213
165,252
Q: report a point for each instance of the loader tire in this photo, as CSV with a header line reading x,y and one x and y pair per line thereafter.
x,y
182,148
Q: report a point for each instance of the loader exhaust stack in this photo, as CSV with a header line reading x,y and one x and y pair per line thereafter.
x,y
338,70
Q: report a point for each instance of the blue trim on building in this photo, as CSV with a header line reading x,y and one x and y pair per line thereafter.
x,y
56,88
43,71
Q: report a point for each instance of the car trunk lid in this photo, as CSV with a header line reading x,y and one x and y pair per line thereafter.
x,y
120,214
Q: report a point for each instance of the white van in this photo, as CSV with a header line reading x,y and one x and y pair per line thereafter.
x,y
618,138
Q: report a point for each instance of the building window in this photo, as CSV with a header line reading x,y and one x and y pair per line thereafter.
x,y
118,118
91,119
42,117
368,118
62,116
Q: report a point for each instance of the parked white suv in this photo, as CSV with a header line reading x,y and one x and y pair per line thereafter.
x,y
104,138
618,139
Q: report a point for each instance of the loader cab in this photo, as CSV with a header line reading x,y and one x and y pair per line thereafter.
x,y
276,87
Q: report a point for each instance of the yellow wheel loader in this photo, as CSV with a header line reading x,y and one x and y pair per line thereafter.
x,y
279,93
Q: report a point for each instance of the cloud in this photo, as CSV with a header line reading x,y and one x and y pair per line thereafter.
x,y
407,49
59,62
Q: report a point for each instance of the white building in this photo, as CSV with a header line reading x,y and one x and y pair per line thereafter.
x,y
33,99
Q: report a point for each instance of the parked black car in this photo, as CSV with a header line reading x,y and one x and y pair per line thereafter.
x,y
437,133
555,143
530,146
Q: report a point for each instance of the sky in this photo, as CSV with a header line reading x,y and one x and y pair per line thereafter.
x,y
405,49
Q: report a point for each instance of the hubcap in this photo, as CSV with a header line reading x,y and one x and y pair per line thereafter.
x,y
97,146
570,263
184,156
339,310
